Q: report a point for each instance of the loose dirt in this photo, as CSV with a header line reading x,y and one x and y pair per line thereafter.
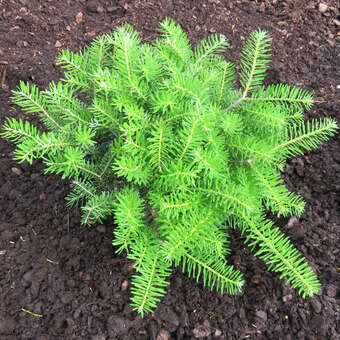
x,y
60,280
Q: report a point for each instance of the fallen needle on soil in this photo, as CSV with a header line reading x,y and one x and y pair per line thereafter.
x,y
29,312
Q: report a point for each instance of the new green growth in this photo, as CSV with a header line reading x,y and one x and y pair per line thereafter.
x,y
166,143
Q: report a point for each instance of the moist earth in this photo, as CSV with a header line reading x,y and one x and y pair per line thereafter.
x,y
61,280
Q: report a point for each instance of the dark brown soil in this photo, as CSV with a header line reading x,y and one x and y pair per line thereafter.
x,y
68,275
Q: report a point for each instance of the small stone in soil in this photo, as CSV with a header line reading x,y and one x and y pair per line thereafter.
x,y
217,333
287,298
262,315
28,276
125,284
293,220
202,331
16,171
163,335
91,6
79,17
35,286
331,290
316,305
322,7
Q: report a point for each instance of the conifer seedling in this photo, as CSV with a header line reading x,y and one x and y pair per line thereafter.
x,y
165,144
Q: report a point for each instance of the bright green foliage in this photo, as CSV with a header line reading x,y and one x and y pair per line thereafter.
x,y
166,144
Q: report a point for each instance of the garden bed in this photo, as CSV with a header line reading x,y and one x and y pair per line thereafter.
x,y
61,280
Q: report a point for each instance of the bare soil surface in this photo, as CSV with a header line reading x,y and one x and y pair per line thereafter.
x,y
60,280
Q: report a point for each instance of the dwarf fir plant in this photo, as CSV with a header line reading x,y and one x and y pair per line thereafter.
x,y
163,141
